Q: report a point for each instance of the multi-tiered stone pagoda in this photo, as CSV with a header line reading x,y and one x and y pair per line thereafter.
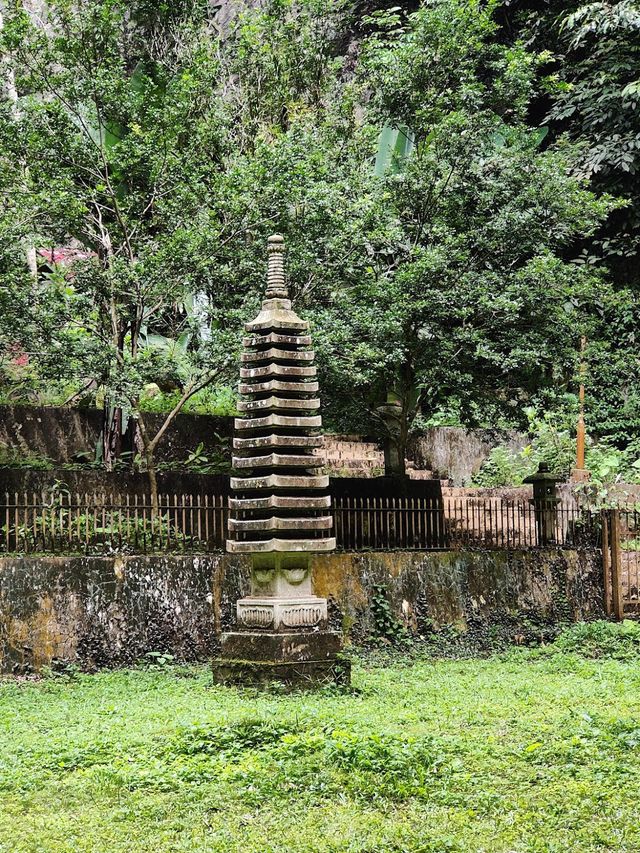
x,y
280,509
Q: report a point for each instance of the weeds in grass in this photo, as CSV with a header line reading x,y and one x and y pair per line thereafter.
x,y
595,640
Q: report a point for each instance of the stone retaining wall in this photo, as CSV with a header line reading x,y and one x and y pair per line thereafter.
x,y
456,454
62,434
109,611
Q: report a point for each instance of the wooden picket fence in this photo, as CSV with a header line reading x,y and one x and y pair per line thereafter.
x,y
60,522
621,561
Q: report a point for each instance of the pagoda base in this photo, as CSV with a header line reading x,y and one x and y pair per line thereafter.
x,y
307,675
282,614
302,660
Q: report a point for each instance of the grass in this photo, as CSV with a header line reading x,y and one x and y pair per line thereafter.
x,y
534,750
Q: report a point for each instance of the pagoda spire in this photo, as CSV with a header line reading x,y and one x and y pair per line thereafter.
x,y
276,283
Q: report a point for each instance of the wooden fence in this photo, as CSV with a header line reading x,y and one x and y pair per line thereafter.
x,y
60,522
436,524
621,561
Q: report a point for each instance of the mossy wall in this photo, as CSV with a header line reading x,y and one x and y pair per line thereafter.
x,y
107,611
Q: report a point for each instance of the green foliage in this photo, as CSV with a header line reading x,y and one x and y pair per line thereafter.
x,y
232,740
217,462
12,457
440,240
616,640
597,100
476,300
385,625
553,442
503,467
218,401
588,76
158,660
116,106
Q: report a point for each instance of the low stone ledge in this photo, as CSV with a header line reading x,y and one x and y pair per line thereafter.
x,y
111,611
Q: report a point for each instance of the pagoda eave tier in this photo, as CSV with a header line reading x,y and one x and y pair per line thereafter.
x,y
276,354
277,460
308,546
259,442
276,338
277,385
279,481
281,403
288,421
288,370
243,525
281,502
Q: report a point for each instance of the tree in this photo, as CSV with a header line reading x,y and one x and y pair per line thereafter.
x,y
119,127
303,152
437,273
589,92
476,302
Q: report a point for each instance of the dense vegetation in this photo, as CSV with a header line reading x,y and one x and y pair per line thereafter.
x,y
534,750
457,186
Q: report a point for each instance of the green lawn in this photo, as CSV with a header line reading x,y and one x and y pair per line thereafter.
x,y
529,751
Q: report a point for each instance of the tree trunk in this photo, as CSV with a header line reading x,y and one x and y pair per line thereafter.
x,y
31,257
111,434
397,415
153,486
149,453
402,442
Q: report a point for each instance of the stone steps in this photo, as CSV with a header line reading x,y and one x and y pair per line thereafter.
x,y
349,455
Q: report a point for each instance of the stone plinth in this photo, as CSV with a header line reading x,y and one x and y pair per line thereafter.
x,y
279,511
293,675
284,648
295,660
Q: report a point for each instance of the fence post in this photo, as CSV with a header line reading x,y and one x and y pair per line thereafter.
x,y
616,565
606,562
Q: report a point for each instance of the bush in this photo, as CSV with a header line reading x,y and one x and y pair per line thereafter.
x,y
617,640
503,467
553,442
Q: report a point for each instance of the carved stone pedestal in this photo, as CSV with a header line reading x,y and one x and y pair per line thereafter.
x,y
282,635
282,613
282,631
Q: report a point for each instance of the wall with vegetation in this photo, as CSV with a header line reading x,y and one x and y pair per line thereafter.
x,y
103,611
457,454
41,435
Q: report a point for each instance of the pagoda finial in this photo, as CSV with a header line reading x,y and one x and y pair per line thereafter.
x,y
276,287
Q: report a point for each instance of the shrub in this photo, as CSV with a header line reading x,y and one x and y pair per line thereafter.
x,y
618,640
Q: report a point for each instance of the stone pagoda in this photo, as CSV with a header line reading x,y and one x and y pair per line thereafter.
x,y
280,505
